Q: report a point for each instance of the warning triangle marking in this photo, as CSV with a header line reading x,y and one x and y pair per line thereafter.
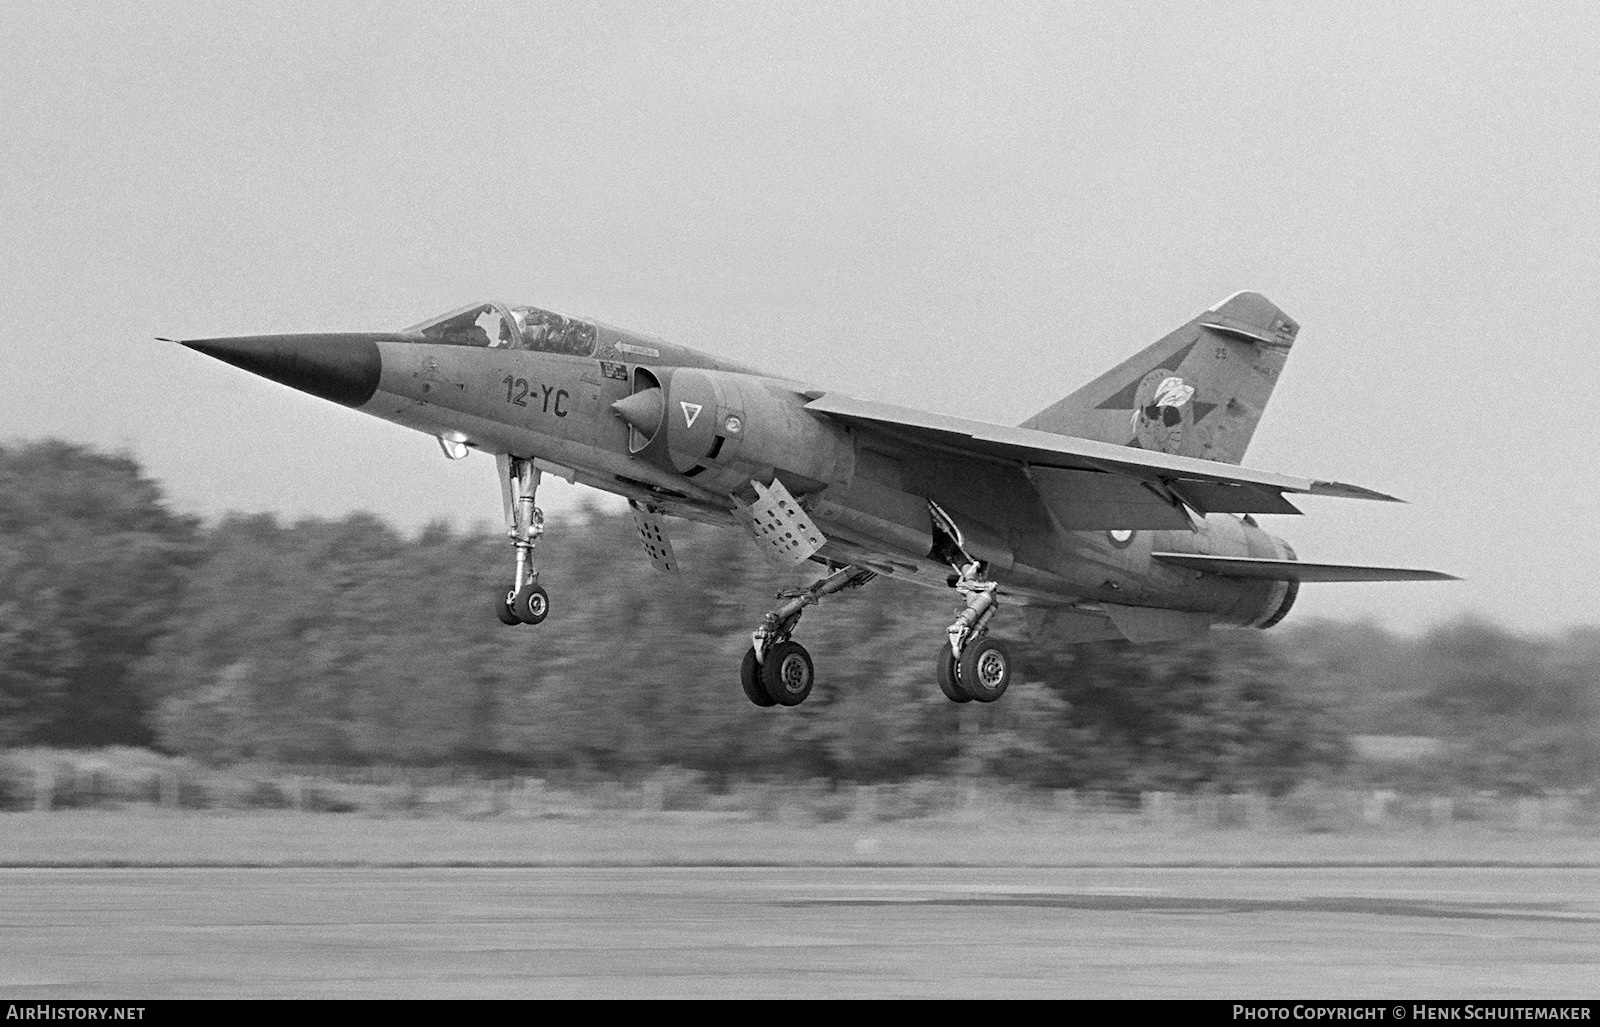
x,y
690,412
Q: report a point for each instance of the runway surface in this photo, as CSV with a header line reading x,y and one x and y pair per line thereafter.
x,y
835,932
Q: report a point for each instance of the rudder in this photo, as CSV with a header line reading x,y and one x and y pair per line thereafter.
x,y
1198,392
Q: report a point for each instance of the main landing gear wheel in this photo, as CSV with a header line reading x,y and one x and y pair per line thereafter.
x,y
750,680
502,609
786,673
948,684
531,605
985,669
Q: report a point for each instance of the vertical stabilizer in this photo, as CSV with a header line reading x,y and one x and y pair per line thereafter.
x,y
1198,392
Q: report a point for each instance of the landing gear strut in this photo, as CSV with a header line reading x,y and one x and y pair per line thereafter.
x,y
777,671
526,602
971,665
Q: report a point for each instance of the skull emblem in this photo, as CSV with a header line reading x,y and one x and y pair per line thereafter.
x,y
1162,411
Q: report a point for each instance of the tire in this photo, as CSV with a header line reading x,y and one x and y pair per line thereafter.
x,y
502,609
787,674
985,669
532,604
947,677
750,680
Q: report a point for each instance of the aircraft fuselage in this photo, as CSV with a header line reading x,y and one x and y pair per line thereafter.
x,y
557,408
1111,514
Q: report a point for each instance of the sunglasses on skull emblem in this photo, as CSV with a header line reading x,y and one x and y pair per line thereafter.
x,y
1169,416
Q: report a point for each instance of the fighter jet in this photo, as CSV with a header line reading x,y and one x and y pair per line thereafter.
x,y
1119,512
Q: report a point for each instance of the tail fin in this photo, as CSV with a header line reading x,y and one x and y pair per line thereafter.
x,y
1199,392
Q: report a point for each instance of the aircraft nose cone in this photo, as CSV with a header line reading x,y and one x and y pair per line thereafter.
x,y
342,368
642,410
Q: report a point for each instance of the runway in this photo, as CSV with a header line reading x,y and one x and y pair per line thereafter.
x,y
804,933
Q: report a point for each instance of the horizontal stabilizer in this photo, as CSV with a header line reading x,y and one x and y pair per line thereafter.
x,y
1295,570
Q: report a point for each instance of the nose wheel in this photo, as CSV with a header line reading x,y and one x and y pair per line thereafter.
x,y
530,604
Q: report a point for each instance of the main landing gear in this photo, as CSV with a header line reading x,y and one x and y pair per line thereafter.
x,y
971,665
776,670
526,602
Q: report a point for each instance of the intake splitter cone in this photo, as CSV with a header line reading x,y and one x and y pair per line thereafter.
x,y
343,368
642,411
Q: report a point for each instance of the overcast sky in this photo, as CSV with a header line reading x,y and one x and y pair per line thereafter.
x,y
972,208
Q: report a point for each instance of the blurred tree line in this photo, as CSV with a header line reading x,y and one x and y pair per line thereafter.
x,y
347,642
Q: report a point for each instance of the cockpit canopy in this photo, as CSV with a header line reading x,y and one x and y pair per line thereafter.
x,y
496,326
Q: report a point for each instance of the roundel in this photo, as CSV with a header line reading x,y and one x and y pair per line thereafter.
x,y
1122,538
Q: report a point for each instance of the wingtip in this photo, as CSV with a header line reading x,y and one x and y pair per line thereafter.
x,y
1425,575
1343,490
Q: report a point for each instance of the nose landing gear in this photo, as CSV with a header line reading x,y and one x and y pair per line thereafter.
x,y
526,602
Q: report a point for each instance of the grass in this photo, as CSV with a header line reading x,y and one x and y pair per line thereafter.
x,y
145,836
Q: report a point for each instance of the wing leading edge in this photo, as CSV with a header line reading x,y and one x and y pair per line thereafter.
x,y
1203,485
